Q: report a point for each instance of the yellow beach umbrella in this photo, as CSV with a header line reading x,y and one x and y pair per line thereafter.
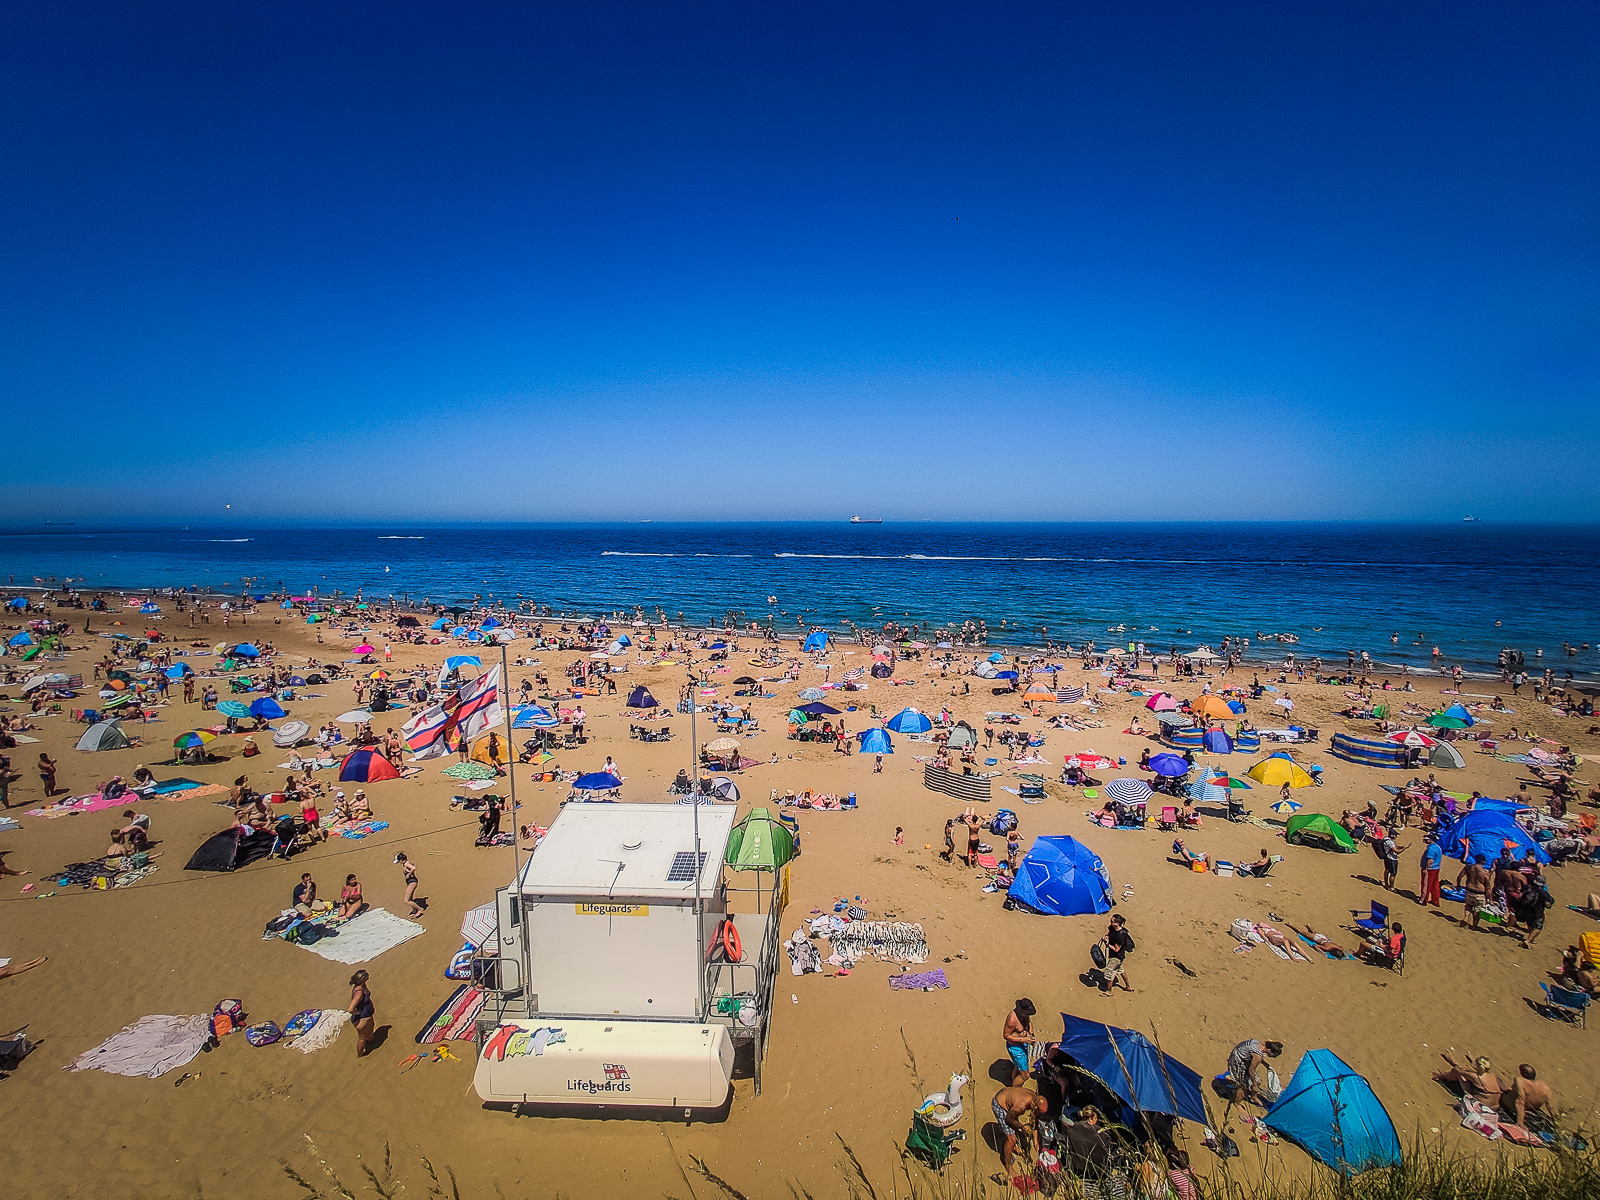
x,y
1275,772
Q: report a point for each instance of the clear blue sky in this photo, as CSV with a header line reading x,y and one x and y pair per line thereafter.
x,y
1094,261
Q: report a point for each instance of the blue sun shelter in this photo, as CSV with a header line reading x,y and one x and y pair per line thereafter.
x,y
1061,877
815,642
908,720
1486,831
1216,741
267,709
1134,1068
1332,1114
875,741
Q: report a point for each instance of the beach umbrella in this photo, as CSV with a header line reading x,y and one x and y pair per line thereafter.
x,y
379,674
356,716
1223,780
469,771
880,648
596,781
811,693
124,698
195,737
441,623
1161,702
797,717
875,741
267,709
1411,737
1287,808
1440,721
1212,706
743,679
1129,791
818,709
724,788
1275,772
909,720
246,650
289,733
1177,720
640,697
149,608
363,649
1005,675
232,708
722,745
1173,765
480,926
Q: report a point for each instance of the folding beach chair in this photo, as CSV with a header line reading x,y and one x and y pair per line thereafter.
x,y
1377,917
1569,1006
1169,818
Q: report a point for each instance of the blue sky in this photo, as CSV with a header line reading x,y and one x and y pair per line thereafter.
x,y
1134,261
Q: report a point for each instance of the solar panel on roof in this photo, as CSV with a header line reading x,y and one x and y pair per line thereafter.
x,y
683,866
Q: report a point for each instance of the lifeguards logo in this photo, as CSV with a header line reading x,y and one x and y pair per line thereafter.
x,y
593,1087
615,1071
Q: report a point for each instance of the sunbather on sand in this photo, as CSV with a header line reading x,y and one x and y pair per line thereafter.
x,y
1189,856
1319,941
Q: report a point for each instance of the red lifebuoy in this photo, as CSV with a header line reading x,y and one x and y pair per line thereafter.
x,y
730,941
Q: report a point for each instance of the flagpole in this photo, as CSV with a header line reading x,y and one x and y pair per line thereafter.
x,y
694,806
516,833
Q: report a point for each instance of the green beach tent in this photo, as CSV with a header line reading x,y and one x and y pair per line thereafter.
x,y
1313,827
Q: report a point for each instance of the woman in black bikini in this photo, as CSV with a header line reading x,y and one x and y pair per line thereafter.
x,y
361,1013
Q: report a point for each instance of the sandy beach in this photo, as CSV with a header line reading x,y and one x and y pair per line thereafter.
x,y
849,1057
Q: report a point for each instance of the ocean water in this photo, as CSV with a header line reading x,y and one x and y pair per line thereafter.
x,y
1338,587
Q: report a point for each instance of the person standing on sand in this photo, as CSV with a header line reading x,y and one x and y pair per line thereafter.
x,y
408,871
47,774
1474,878
1019,1037
1432,858
950,840
362,1013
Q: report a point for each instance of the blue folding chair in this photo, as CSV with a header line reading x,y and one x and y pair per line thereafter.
x,y
1570,1006
1377,918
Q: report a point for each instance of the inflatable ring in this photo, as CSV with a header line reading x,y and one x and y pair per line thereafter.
x,y
731,942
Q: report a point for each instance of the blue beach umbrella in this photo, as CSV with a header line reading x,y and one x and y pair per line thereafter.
x,y
245,650
811,693
909,720
1005,675
875,741
596,781
818,709
1169,764
148,607
267,709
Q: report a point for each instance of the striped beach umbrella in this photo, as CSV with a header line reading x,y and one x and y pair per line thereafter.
x,y
232,708
1129,791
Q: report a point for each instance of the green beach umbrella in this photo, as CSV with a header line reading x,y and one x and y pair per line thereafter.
x,y
760,842
1440,721
232,708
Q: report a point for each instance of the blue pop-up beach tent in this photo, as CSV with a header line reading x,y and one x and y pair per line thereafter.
x,y
441,623
1133,1068
267,709
1485,831
640,697
908,720
533,715
22,639
1331,1113
1217,742
1061,877
815,641
876,741
178,671
245,650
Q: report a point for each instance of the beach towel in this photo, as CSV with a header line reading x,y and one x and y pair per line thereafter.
x,y
455,1018
362,938
330,1024
919,981
151,1047
165,786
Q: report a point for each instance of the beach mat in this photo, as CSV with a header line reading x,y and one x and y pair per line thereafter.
x,y
455,1018
151,1047
362,938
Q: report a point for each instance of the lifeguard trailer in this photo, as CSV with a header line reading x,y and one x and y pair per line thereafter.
x,y
611,979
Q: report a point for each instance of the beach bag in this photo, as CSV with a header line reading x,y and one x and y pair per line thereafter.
x,y
1241,930
263,1034
226,1017
1098,953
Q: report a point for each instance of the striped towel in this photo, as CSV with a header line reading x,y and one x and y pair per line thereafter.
x,y
1069,695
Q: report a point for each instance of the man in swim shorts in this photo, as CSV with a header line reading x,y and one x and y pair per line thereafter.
x,y
1019,1036
1012,1106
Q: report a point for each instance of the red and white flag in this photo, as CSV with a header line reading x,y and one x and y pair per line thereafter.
x,y
425,732
480,705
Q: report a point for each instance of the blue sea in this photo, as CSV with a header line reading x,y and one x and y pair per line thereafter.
x,y
1338,587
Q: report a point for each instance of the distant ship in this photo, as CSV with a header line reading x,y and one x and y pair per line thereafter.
x,y
60,522
1469,518
866,520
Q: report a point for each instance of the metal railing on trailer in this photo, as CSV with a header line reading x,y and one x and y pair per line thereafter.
x,y
756,978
